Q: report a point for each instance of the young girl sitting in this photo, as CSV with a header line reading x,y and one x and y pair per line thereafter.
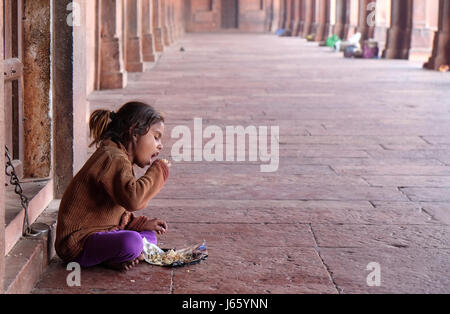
x,y
96,223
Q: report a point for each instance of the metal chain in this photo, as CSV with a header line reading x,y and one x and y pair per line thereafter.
x,y
10,171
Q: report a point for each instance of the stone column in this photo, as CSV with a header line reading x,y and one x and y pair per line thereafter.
x,y
282,20
2,161
36,88
165,29
133,60
302,17
441,45
289,17
157,29
171,22
365,19
112,73
342,19
296,18
62,98
148,46
398,40
309,17
269,15
323,20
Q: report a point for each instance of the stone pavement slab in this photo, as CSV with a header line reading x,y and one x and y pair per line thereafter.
x,y
363,173
411,270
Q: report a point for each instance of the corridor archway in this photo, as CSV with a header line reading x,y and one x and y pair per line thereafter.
x,y
230,13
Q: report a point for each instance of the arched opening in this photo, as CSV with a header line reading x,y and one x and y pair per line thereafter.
x,y
230,13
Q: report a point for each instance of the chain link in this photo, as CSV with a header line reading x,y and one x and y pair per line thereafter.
x,y
10,171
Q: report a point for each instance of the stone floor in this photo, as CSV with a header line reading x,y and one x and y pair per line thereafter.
x,y
364,172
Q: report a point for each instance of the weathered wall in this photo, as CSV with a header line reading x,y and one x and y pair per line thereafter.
x,y
252,15
36,88
206,15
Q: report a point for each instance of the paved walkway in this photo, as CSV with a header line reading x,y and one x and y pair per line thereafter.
x,y
364,172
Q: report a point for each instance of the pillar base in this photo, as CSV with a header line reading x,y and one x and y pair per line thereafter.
x,y
341,30
296,28
322,32
111,76
398,44
441,52
165,34
113,80
148,54
159,46
134,58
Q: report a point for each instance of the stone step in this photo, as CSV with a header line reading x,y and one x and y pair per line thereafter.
x,y
29,257
39,193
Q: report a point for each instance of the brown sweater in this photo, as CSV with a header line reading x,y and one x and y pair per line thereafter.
x,y
102,197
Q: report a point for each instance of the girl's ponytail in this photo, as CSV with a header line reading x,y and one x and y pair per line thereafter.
x,y
98,122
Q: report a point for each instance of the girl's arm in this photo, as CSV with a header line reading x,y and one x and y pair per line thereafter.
x,y
131,193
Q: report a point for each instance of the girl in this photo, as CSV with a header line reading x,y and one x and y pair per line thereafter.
x,y
96,223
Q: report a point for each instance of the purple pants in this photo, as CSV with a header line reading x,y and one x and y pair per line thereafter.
x,y
113,247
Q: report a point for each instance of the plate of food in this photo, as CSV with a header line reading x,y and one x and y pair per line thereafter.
x,y
173,257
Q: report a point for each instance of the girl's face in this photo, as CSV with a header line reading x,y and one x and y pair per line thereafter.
x,y
148,146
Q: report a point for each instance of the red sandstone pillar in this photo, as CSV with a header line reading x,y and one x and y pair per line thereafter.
x,y
289,24
173,30
112,74
342,18
148,46
323,20
169,21
398,40
309,17
296,18
165,30
302,17
282,19
441,45
157,29
133,60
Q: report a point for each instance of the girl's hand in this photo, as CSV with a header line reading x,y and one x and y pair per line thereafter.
x,y
166,162
157,225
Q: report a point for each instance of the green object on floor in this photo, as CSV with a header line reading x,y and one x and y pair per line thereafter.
x,y
332,40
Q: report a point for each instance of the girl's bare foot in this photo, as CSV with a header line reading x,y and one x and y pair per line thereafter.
x,y
125,266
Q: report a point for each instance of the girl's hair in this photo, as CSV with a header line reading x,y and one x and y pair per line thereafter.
x,y
133,118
